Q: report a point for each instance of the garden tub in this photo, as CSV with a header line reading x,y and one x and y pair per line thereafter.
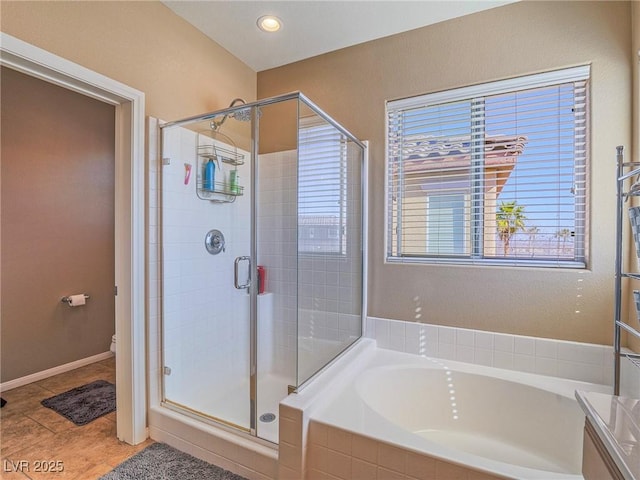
x,y
506,423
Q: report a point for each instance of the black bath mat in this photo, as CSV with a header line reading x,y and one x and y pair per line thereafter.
x,y
84,404
159,461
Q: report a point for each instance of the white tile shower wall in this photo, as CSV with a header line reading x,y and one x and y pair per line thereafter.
x,y
253,461
558,358
277,251
203,311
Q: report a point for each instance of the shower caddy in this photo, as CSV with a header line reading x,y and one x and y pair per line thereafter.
x,y
223,191
623,194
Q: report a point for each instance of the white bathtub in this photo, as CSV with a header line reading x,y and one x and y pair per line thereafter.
x,y
503,422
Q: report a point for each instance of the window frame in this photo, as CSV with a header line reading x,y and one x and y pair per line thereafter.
x,y
511,85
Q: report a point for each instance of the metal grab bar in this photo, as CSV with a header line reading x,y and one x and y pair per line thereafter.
x,y
235,273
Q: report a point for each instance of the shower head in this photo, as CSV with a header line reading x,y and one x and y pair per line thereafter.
x,y
243,115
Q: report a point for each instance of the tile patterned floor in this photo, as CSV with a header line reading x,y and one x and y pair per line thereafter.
x,y
31,434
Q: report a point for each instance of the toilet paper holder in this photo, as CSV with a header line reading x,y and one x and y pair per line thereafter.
x,y
67,300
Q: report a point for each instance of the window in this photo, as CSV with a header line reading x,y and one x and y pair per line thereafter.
x,y
322,200
445,222
490,174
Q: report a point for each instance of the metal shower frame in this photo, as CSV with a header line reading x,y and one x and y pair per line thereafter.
x,y
255,127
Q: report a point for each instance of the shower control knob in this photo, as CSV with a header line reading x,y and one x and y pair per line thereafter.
x,y
214,242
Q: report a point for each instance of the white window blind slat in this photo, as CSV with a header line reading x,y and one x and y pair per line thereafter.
x,y
498,177
322,201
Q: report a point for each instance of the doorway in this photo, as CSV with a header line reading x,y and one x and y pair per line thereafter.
x,y
58,150
129,216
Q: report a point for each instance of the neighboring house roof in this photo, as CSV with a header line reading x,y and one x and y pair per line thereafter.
x,y
427,152
429,157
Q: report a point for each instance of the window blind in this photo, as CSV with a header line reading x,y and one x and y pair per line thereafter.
x,y
321,191
496,177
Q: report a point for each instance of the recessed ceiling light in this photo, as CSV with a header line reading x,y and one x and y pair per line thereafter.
x,y
269,23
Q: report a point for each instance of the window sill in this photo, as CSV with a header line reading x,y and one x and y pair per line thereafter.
x,y
489,262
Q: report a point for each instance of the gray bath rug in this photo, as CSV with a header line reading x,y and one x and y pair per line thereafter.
x,y
84,404
159,461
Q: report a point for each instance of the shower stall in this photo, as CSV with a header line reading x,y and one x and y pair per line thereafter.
x,y
261,233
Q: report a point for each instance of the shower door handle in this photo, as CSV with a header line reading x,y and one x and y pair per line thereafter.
x,y
235,273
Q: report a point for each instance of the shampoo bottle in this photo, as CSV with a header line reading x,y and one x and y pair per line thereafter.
x,y
209,175
233,181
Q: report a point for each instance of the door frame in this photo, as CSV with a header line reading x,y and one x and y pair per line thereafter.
x,y
129,216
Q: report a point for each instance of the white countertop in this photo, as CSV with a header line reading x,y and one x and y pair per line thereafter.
x,y
617,423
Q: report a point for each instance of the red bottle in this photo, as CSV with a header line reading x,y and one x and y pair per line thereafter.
x,y
262,279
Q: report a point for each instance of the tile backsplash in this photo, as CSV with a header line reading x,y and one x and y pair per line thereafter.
x,y
558,358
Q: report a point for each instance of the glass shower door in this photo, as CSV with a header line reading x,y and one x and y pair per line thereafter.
x,y
206,238
330,242
276,254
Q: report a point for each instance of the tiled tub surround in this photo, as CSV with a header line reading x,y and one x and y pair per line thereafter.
x,y
362,426
558,358
335,453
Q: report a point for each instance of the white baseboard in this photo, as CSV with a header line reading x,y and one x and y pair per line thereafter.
x,y
34,377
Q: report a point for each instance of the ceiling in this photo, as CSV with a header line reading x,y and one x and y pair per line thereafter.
x,y
311,28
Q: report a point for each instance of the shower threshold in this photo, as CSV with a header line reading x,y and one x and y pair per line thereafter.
x,y
232,406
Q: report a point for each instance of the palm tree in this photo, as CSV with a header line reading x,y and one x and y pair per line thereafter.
x,y
509,219
532,232
563,234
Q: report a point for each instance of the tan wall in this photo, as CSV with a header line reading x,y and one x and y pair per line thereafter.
x,y
352,85
57,225
146,46
142,44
